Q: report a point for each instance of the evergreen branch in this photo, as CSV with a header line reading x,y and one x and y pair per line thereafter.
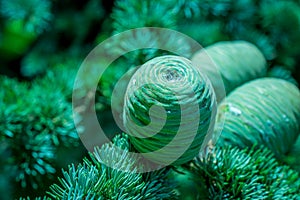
x,y
53,113
93,179
272,25
131,14
231,173
34,120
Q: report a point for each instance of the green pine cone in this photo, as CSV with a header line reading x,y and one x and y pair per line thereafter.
x,y
235,62
176,134
264,111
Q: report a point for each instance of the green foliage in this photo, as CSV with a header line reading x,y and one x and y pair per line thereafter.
x,y
76,33
53,113
231,173
131,14
10,90
21,135
94,180
34,120
282,21
36,117
60,78
271,25
223,173
36,14
20,39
